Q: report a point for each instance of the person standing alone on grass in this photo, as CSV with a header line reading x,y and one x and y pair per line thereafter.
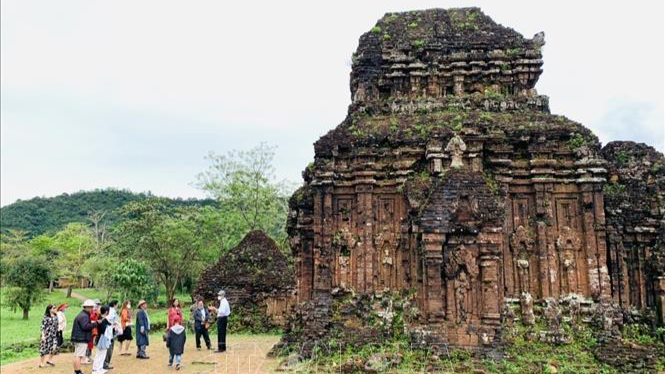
x,y
223,313
102,341
125,337
175,342
142,330
48,344
115,325
201,324
81,333
62,324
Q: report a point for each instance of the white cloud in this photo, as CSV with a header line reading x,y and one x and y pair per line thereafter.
x,y
134,94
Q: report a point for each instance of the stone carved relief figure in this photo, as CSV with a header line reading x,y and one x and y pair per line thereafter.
x,y
344,242
461,269
387,244
526,305
522,245
568,244
456,147
462,288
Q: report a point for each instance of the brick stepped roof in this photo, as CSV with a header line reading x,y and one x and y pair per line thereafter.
x,y
254,265
426,53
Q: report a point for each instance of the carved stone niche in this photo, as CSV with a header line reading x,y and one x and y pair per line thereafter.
x,y
568,245
461,271
455,150
434,153
522,247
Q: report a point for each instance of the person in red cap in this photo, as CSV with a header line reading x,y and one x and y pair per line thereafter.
x,y
62,323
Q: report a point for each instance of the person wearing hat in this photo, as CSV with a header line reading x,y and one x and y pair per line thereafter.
x,y
62,323
223,312
142,330
82,333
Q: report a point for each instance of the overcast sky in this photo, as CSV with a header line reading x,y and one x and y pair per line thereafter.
x,y
133,94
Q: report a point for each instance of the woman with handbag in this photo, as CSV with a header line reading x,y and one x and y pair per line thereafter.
x,y
103,340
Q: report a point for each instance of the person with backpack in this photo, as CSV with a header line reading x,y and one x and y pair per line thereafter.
x,y
175,341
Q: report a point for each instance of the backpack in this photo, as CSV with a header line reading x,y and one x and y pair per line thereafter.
x,y
105,340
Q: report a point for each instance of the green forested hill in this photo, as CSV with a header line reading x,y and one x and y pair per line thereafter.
x,y
43,215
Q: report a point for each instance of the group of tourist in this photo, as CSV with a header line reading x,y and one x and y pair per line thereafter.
x,y
97,327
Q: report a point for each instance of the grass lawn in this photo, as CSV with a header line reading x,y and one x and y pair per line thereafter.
x,y
14,329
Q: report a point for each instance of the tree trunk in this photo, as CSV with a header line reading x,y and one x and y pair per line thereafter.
x,y
170,292
69,291
50,286
25,313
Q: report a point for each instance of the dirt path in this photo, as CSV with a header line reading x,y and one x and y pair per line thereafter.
x,y
246,355
75,295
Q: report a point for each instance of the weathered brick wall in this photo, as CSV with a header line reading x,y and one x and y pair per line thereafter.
x,y
256,278
635,209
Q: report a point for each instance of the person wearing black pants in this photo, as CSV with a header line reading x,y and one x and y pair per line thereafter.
x,y
201,324
115,324
223,313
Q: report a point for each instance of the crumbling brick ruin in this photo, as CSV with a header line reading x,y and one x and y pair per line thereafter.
x,y
450,177
258,282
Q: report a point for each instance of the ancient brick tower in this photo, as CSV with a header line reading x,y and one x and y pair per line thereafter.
x,y
450,177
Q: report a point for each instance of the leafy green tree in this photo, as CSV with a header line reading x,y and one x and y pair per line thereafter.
x,y
249,195
13,245
27,278
44,246
133,279
76,245
170,241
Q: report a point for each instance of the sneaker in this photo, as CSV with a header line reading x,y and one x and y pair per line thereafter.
x,y
177,367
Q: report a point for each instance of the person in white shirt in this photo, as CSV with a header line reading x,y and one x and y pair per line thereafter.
x,y
62,323
223,313
115,326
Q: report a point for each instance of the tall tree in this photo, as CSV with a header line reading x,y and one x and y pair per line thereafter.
x,y
76,245
27,278
244,183
170,241
44,246
13,245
